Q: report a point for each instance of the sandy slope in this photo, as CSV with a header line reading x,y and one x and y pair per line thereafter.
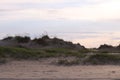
x,y
42,69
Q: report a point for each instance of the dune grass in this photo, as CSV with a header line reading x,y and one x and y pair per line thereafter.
x,y
24,53
35,54
103,58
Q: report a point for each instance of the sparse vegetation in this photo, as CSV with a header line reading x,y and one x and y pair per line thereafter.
x,y
68,62
80,57
24,53
103,58
46,47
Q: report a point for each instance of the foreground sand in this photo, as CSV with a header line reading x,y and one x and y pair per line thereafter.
x,y
43,70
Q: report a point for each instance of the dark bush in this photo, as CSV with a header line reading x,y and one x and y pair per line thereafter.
x,y
41,42
8,38
45,37
21,39
105,46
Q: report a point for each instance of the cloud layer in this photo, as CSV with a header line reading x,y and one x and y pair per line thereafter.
x,y
105,10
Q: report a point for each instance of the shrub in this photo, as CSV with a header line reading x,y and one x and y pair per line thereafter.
x,y
42,41
45,37
8,38
84,51
21,39
105,46
50,50
103,59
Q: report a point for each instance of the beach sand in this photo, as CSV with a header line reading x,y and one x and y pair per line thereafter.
x,y
44,70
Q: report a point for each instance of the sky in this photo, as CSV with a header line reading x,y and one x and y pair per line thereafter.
x,y
88,22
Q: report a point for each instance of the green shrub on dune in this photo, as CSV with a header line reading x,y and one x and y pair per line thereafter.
x,y
21,39
102,59
24,53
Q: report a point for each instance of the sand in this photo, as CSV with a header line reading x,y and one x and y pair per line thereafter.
x,y
43,70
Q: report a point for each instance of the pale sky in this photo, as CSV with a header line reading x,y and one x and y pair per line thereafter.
x,y
88,22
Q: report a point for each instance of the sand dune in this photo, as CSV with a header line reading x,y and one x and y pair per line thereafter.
x,y
43,70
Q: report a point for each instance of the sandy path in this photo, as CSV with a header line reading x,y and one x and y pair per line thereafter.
x,y
42,70
58,79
